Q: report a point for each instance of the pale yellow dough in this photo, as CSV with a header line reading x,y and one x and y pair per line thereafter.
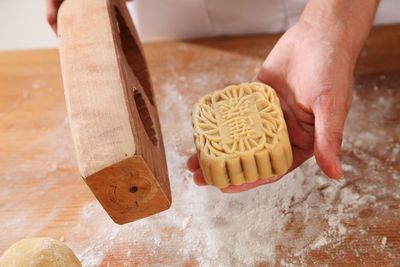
x,y
39,252
240,135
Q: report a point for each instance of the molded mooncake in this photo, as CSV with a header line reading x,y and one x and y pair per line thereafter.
x,y
240,135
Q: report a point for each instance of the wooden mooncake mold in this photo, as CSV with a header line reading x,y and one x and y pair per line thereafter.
x,y
240,135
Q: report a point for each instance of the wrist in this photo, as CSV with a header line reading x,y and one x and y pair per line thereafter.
x,y
341,21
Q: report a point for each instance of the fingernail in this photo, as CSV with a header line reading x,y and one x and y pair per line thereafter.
x,y
339,166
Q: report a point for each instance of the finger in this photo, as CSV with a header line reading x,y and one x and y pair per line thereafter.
x,y
297,134
298,121
198,178
51,14
52,7
193,163
299,156
330,115
247,186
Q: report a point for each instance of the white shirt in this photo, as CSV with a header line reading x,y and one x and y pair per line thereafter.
x,y
181,19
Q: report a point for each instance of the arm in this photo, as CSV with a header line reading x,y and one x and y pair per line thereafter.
x,y
311,68
349,21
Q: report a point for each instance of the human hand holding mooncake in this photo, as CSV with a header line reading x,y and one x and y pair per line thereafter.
x,y
241,136
311,68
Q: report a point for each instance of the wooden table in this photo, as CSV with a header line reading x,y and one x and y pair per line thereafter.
x,y
43,195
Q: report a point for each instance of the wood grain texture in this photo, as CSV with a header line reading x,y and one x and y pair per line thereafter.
x,y
111,109
129,190
99,117
42,193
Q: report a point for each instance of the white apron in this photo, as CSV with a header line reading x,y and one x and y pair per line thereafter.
x,y
180,19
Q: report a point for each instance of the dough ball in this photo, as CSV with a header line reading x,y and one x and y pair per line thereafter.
x,y
39,252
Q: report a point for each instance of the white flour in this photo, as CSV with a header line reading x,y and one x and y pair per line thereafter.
x,y
276,223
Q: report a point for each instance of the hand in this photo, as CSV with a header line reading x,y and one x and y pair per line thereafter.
x,y
313,78
52,7
311,70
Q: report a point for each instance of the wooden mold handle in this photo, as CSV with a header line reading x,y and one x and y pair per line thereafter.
x,y
113,117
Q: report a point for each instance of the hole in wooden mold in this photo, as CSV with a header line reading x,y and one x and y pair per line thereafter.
x,y
133,189
137,64
133,55
145,116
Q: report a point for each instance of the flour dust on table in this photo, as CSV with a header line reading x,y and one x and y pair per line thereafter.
x,y
279,223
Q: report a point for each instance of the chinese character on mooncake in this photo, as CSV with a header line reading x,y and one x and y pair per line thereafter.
x,y
240,135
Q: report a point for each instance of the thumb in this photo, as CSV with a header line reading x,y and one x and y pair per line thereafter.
x,y
330,115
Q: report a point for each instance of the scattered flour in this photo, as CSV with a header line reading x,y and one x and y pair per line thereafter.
x,y
35,85
319,242
243,229
384,239
276,224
